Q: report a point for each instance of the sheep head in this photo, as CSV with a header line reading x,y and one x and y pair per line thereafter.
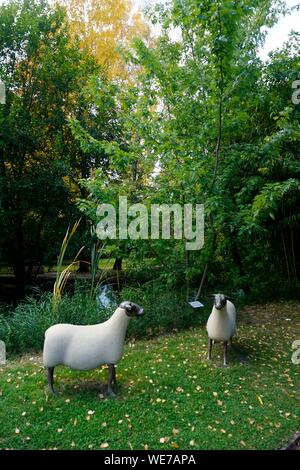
x,y
132,309
220,301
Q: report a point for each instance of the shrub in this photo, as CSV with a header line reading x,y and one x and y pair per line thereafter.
x,y
165,310
23,329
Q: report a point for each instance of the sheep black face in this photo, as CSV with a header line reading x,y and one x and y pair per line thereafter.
x,y
132,309
220,301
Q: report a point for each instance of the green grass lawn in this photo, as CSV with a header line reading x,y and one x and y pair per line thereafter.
x,y
169,397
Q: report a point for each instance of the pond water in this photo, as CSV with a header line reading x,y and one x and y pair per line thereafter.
x,y
106,297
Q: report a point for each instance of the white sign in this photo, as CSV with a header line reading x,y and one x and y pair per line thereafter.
x,y
196,304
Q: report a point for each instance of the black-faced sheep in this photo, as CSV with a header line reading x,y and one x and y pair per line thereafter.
x,y
87,347
221,324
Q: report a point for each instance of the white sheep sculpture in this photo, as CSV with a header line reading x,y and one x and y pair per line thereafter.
x,y
85,347
221,324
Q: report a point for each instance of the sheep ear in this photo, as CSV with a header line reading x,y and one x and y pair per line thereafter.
x,y
127,306
228,297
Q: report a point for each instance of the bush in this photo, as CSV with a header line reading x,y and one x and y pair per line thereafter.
x,y
24,329
165,310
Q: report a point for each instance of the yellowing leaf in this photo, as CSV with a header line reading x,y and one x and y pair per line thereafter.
x,y
260,400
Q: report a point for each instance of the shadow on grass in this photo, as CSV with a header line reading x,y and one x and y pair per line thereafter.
x,y
237,354
89,386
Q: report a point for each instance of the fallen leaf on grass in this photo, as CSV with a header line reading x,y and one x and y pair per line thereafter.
x,y
260,400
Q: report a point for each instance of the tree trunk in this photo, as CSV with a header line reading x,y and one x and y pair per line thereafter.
x,y
118,264
84,266
19,261
203,279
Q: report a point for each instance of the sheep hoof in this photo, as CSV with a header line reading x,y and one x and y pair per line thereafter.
x,y
111,393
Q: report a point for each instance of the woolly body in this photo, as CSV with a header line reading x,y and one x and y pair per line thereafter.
x,y
221,324
86,347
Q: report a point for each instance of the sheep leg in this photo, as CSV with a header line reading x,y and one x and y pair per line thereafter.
x,y
114,378
50,371
210,343
225,353
111,378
